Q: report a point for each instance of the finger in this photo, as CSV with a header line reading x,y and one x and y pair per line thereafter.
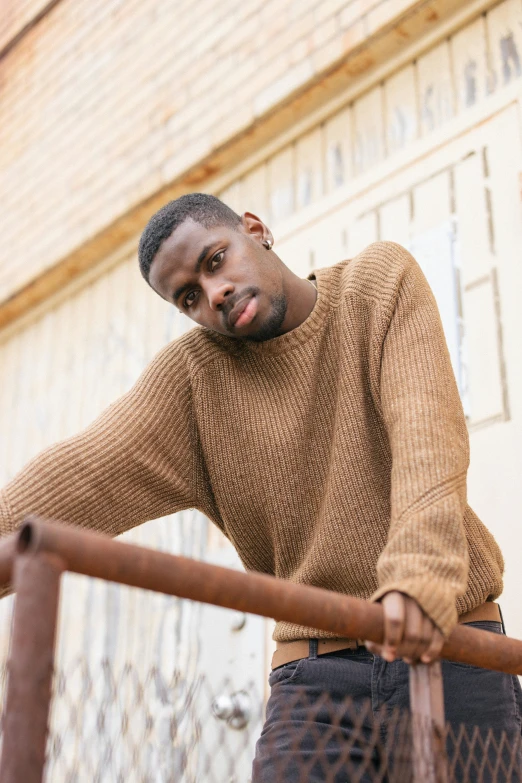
x,y
412,631
434,649
421,633
429,630
394,608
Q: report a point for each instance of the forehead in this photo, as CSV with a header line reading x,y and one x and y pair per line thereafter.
x,y
180,251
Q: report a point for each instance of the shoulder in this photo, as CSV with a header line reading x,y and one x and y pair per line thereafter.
x,y
191,351
379,271
178,361
375,276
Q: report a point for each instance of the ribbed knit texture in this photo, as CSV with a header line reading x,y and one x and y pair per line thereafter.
x,y
334,455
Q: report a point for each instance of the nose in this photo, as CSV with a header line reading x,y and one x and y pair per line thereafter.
x,y
218,292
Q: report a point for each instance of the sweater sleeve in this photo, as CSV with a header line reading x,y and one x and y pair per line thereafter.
x,y
426,555
139,460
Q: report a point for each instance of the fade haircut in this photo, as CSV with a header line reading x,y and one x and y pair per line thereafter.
x,y
201,207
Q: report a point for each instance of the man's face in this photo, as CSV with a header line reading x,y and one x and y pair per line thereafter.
x,y
223,278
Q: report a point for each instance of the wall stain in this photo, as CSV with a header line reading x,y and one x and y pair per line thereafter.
x,y
470,76
510,58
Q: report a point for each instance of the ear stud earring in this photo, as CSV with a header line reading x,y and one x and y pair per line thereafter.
x,y
267,243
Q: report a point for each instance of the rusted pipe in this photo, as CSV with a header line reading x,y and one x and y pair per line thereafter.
x,y
94,554
36,580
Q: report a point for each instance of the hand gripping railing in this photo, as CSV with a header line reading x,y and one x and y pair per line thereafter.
x,y
34,558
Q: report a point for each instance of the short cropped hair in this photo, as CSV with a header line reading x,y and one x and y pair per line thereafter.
x,y
201,207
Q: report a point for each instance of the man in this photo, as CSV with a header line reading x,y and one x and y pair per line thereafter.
x,y
317,423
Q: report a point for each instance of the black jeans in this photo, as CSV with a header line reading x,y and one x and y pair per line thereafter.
x,y
343,716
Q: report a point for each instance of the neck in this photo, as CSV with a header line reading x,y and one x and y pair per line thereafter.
x,y
301,297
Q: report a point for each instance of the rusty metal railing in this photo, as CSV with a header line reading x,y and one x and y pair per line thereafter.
x,y
33,560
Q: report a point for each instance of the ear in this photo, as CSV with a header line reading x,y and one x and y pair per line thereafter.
x,y
254,226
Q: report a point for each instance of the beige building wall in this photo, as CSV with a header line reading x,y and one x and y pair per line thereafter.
x,y
339,123
109,107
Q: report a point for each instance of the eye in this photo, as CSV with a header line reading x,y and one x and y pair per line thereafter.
x,y
216,260
189,299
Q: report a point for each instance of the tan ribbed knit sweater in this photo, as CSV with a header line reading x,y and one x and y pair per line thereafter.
x,y
334,455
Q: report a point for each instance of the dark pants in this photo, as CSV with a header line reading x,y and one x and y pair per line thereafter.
x,y
343,716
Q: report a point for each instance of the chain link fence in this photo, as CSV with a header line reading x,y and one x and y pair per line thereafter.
x,y
116,725
120,725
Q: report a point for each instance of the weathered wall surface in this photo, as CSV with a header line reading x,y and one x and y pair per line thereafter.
x,y
17,16
106,103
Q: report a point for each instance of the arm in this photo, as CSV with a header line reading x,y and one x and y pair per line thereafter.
x,y
139,460
426,557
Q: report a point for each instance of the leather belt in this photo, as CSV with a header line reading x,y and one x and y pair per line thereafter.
x,y
286,652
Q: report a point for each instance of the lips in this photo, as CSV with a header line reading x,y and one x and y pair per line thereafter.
x,y
244,312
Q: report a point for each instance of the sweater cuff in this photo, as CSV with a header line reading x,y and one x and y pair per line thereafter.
x,y
435,598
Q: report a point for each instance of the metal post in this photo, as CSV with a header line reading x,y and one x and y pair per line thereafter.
x,y
427,719
36,580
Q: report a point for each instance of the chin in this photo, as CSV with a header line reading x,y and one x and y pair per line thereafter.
x,y
269,329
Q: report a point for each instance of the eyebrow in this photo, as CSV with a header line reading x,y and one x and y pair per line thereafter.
x,y
182,288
